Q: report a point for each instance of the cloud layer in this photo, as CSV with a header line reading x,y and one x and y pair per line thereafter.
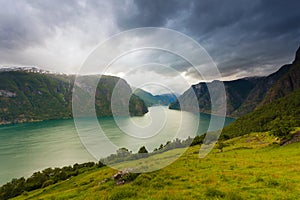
x,y
244,38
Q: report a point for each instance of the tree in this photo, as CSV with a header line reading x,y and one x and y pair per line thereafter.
x,y
123,152
143,150
281,127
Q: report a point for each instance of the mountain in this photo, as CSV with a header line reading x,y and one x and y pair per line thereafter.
x,y
150,100
32,96
286,109
258,92
147,97
165,99
236,93
247,94
288,83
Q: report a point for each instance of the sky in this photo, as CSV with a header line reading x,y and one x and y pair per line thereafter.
x,y
243,38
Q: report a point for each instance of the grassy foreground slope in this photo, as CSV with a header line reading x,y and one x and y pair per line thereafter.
x,y
250,167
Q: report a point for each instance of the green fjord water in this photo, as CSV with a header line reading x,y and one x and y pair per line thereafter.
x,y
29,147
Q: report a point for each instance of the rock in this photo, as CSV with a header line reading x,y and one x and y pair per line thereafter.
x,y
295,138
124,176
5,93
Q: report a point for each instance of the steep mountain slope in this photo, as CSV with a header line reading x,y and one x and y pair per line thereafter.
x,y
288,83
166,99
286,109
27,96
150,100
147,97
257,94
248,94
236,92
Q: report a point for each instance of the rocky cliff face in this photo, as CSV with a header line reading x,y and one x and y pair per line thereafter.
x,y
27,96
288,83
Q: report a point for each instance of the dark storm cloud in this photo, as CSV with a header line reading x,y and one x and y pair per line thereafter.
x,y
150,13
243,37
237,34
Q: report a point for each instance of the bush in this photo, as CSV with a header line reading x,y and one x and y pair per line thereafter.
x,y
130,177
47,183
221,145
42,179
212,192
281,127
143,150
143,180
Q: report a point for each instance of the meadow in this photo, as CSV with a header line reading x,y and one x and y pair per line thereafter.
x,y
252,166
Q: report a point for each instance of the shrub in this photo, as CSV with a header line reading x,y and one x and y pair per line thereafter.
x,y
47,183
281,127
143,180
221,145
130,177
212,192
143,150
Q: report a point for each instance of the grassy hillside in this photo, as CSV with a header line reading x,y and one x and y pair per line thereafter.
x,y
33,97
26,96
286,110
258,93
250,167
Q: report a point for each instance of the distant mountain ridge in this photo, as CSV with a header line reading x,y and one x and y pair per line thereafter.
x,y
150,100
247,94
33,96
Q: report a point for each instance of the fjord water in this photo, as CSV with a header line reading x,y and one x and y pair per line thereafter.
x,y
29,147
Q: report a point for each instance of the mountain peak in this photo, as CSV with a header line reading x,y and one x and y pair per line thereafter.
x,y
297,58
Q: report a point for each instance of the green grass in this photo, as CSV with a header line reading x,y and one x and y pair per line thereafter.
x,y
252,166
285,110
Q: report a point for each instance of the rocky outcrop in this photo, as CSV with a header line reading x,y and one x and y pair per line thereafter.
x,y
295,138
124,176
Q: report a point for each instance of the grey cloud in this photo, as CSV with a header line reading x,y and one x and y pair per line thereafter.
x,y
150,13
237,34
243,37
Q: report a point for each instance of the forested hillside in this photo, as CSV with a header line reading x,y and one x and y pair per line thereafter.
x,y
28,96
